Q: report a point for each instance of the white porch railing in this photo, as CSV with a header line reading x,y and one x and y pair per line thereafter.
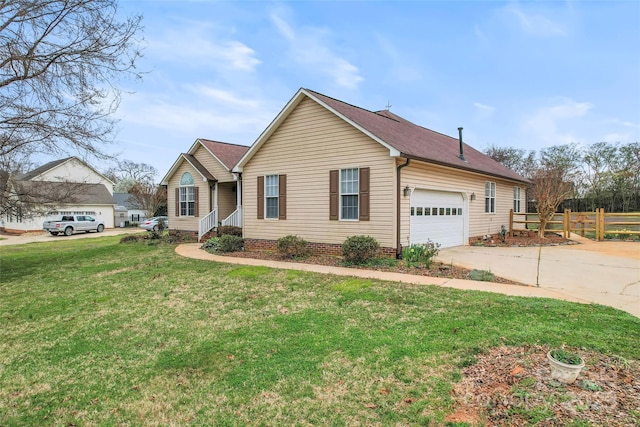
x,y
207,223
235,219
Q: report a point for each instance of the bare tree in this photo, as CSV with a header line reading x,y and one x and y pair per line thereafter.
x,y
128,173
549,188
516,159
60,61
148,197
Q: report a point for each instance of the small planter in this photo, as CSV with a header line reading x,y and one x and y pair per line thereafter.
x,y
564,372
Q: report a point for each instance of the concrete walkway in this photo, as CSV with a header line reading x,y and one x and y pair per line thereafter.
x,y
192,250
605,273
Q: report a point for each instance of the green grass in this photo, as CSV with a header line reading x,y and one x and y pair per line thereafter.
x,y
93,332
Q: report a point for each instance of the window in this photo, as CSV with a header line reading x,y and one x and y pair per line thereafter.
x,y
271,195
490,197
187,195
349,194
517,200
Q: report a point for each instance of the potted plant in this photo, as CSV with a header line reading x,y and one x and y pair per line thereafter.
x,y
565,366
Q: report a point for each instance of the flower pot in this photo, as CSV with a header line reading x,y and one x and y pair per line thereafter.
x,y
564,372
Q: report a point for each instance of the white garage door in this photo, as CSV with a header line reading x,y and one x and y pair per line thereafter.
x,y
437,215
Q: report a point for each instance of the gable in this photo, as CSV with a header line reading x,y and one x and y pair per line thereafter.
x,y
400,137
214,160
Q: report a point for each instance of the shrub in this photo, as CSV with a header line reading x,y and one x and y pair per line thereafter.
x,y
421,253
292,246
482,275
360,249
229,230
179,236
132,238
211,245
230,243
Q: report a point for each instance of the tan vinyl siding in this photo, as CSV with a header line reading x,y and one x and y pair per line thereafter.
x,y
187,222
226,199
306,146
433,177
214,167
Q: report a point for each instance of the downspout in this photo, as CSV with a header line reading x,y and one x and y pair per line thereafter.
x,y
398,191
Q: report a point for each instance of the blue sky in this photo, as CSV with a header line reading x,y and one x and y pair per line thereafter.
x,y
522,74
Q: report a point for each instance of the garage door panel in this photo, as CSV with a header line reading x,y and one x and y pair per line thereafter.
x,y
437,216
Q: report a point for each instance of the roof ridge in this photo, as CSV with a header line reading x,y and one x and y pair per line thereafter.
x,y
358,107
222,142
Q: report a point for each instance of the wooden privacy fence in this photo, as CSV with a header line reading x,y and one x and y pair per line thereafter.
x,y
597,224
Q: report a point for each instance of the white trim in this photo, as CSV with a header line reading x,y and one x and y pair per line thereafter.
x,y
492,185
277,197
357,194
174,167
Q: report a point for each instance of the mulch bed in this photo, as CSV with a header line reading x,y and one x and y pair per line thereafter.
x,y
437,269
512,386
523,238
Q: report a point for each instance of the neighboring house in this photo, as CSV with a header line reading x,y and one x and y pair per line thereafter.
x,y
201,190
326,170
133,214
85,190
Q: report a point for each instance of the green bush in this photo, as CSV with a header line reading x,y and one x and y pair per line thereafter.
x,y
360,249
211,245
230,230
293,246
482,275
230,243
420,253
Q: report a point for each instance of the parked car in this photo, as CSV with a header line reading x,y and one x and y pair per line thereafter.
x,y
69,224
154,223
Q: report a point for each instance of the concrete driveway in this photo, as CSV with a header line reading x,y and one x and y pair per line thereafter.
x,y
605,273
43,236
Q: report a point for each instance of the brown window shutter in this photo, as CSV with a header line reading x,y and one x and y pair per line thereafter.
x,y
334,194
282,197
177,202
196,199
261,197
364,194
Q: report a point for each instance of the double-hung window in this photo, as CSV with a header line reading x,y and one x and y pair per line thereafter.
x,y
271,196
490,197
517,199
349,194
187,195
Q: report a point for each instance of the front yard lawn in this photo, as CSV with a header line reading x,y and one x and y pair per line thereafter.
x,y
93,332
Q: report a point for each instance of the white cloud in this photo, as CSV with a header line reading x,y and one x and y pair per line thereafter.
x,y
557,124
310,48
225,97
483,111
533,23
198,45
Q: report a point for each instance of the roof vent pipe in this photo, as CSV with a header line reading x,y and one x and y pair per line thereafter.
x,y
461,149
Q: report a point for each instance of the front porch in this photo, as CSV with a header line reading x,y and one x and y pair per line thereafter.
x,y
225,207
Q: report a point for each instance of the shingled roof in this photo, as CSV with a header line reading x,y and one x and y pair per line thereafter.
x,y
228,154
42,169
416,142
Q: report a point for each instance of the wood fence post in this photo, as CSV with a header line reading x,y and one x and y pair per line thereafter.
x,y
602,224
510,222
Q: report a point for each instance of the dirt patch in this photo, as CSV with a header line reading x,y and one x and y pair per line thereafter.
x,y
512,386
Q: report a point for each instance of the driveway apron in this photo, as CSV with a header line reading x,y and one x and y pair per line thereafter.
x,y
605,273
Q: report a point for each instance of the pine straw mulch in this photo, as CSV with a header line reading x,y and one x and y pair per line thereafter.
x,y
437,269
523,238
512,386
